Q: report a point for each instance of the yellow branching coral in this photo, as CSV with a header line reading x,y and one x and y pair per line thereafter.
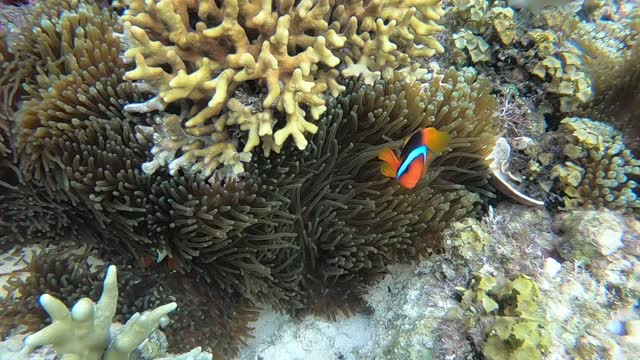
x,y
287,53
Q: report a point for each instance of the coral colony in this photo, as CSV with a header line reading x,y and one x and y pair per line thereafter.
x,y
225,157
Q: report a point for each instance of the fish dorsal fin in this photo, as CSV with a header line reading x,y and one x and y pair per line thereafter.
x,y
435,140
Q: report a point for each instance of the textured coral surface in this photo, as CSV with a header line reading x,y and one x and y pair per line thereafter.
x,y
599,171
286,52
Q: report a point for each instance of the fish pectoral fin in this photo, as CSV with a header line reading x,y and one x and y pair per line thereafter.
x,y
387,170
391,163
387,155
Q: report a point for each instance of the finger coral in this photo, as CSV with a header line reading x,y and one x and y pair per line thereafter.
x,y
84,332
300,231
69,275
246,236
287,53
61,272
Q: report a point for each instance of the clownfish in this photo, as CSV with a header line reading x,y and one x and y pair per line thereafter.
x,y
414,156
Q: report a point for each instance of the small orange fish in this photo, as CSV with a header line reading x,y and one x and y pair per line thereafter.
x,y
414,156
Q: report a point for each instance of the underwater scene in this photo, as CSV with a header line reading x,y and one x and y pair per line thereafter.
x,y
319,179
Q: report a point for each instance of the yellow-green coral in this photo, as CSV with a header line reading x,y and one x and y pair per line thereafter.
x,y
567,77
504,24
599,171
83,332
519,330
288,53
466,238
544,42
472,15
478,49
557,47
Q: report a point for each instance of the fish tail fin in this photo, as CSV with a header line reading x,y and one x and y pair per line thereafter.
x,y
435,140
391,163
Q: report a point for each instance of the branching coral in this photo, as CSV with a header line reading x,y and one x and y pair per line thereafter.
x,y
247,236
60,272
299,231
75,140
599,170
286,52
68,275
84,332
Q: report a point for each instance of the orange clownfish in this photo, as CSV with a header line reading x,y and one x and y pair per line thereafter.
x,y
414,157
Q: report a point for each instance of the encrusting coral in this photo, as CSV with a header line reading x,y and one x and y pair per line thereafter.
x,y
555,46
518,329
84,332
588,235
287,53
